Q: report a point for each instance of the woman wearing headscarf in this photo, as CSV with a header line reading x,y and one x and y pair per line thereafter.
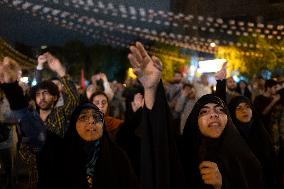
x,y
160,166
243,89
100,99
214,153
90,158
216,159
252,130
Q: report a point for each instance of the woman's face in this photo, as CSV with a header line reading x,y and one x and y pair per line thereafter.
x,y
243,85
243,112
101,102
212,120
89,125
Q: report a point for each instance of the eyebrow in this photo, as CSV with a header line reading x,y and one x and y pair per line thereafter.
x,y
101,100
83,114
245,104
42,91
88,112
218,105
205,107
85,111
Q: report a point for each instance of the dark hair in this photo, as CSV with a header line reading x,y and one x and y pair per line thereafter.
x,y
100,85
98,93
55,79
269,83
244,81
259,77
187,85
234,104
48,85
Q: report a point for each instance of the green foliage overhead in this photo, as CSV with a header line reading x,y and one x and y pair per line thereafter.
x,y
269,55
171,58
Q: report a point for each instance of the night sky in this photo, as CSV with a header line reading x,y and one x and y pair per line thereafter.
x,y
17,26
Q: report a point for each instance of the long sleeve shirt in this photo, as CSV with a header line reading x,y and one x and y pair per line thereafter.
x,y
32,127
58,119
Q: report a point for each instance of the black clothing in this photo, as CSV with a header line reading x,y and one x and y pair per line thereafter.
x,y
148,138
160,163
129,138
130,133
223,92
48,163
15,95
259,142
245,93
112,170
41,139
237,164
260,103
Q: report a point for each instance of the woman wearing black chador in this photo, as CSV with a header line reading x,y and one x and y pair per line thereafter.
x,y
90,158
214,153
254,133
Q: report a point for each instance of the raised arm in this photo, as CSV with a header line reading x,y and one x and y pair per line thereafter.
x,y
38,71
106,84
9,70
220,77
267,109
148,70
158,145
31,129
70,95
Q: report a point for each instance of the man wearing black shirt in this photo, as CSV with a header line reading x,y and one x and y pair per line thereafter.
x,y
266,102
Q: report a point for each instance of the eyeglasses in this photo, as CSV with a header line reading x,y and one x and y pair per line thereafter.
x,y
97,116
103,102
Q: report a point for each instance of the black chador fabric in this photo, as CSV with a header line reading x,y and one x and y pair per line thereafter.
x,y
160,164
129,138
105,161
259,142
237,164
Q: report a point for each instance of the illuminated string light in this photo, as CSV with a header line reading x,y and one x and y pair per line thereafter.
x,y
210,24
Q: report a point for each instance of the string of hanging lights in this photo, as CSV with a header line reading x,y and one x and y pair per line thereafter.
x,y
86,24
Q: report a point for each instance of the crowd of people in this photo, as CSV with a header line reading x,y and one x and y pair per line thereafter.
x,y
146,133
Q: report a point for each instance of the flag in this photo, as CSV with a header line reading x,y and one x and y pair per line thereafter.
x,y
83,82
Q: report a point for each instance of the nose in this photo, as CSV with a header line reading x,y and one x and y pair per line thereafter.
x,y
243,110
91,120
101,106
214,114
41,96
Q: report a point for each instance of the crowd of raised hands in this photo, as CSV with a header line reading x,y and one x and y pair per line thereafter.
x,y
148,70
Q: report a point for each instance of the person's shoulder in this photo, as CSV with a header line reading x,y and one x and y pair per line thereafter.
x,y
117,153
261,98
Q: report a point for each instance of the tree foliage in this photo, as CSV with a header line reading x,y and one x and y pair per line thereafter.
x,y
267,55
171,58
